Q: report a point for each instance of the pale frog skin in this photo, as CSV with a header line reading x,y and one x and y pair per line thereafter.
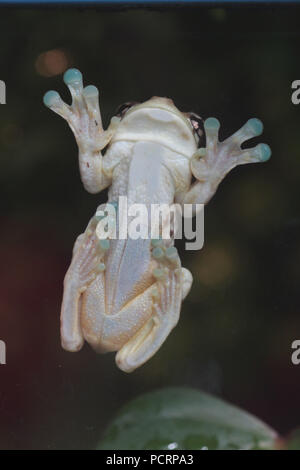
x,y
125,295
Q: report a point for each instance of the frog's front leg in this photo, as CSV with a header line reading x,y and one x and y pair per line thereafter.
x,y
172,286
211,164
84,118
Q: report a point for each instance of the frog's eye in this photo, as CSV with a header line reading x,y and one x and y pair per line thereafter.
x,y
196,122
122,110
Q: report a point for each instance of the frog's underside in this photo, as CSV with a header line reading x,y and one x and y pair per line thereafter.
x,y
125,295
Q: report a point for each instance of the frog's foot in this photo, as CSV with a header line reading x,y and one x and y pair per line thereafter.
x,y
173,284
88,262
211,164
83,115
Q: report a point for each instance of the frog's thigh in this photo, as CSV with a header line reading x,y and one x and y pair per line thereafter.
x,y
71,334
109,332
81,272
165,315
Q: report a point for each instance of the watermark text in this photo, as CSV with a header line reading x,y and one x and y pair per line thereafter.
x,y
121,220
2,92
2,352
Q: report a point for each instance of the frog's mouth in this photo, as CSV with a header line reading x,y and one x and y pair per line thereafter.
x,y
158,120
155,113
160,103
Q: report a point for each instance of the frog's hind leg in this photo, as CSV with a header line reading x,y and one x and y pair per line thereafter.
x,y
173,284
85,266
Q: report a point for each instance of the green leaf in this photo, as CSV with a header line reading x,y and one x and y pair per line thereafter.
x,y
293,440
183,418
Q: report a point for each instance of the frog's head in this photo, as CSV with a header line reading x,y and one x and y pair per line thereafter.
x,y
158,120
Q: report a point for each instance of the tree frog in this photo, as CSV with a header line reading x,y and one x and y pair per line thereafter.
x,y
125,295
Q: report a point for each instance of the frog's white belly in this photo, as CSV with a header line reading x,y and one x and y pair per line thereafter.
x,y
129,265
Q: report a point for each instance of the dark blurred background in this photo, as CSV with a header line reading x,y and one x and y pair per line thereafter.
x,y
237,325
